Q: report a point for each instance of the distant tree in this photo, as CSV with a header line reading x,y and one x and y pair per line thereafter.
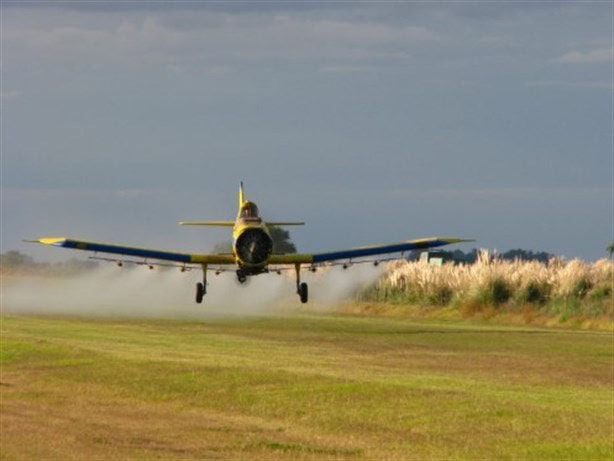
x,y
223,247
281,240
527,255
456,256
12,259
19,262
471,257
611,248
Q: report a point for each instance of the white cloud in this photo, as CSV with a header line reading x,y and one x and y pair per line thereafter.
x,y
590,57
335,31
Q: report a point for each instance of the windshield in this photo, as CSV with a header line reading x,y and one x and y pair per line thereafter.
x,y
249,210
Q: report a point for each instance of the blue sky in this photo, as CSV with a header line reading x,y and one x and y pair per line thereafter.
x,y
372,121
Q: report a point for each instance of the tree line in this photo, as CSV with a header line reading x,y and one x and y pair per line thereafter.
x,y
16,261
471,256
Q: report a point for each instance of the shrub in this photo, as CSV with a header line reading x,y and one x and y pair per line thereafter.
x,y
535,292
560,287
581,287
495,292
441,296
600,293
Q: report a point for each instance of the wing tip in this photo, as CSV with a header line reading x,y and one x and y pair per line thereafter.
x,y
58,241
447,240
456,239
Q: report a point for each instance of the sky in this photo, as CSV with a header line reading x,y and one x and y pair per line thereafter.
x,y
373,122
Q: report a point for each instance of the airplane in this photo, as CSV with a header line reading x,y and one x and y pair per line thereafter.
x,y
252,250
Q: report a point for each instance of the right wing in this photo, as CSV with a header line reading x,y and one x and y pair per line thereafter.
x,y
372,250
400,247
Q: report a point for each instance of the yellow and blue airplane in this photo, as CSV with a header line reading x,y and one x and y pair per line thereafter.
x,y
252,250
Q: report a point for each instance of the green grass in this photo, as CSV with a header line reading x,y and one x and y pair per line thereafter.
x,y
302,387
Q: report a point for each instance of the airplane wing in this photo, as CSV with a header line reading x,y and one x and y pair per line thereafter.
x,y
222,259
360,252
284,223
186,258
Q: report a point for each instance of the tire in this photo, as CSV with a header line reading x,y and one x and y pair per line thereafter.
x,y
241,277
200,292
303,292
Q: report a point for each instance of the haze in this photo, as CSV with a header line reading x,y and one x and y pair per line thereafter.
x,y
137,292
373,122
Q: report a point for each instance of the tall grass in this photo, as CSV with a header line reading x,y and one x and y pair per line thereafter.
x,y
558,287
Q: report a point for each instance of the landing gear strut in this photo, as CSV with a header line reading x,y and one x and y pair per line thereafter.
x,y
201,288
301,288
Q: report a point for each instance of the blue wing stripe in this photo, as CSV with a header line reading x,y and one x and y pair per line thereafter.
x,y
128,251
377,250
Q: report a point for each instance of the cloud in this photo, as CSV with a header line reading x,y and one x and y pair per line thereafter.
x,y
453,95
590,57
156,40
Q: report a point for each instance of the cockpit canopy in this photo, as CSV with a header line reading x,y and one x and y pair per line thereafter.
x,y
249,210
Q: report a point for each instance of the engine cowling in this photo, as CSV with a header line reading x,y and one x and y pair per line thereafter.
x,y
253,247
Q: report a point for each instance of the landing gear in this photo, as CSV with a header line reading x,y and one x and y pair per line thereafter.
x,y
301,288
201,287
302,292
201,290
241,276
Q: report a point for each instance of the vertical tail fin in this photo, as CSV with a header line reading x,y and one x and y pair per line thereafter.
x,y
241,195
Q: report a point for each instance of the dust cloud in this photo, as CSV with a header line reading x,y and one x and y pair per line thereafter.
x,y
138,292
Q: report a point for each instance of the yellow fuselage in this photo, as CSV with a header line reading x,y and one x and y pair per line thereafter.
x,y
252,244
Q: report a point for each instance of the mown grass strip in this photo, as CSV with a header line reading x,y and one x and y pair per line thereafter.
x,y
308,387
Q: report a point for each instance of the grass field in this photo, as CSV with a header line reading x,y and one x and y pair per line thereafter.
x,y
302,387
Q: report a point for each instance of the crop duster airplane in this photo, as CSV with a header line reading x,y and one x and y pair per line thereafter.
x,y
252,250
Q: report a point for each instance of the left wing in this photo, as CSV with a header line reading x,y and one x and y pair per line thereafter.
x,y
360,252
186,258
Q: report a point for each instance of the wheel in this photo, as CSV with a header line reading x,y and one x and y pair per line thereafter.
x,y
241,277
200,292
303,292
